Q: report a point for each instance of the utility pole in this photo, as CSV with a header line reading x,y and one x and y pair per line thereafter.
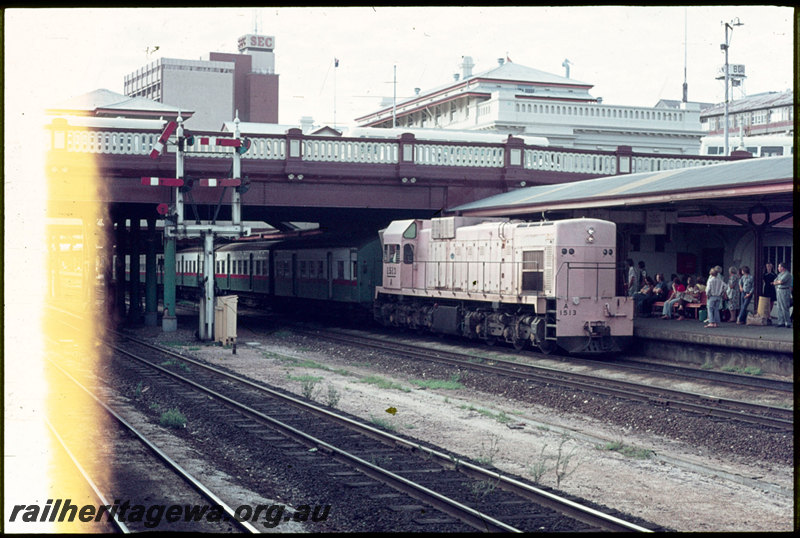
x,y
725,46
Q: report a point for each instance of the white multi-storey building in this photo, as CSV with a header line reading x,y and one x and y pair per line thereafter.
x,y
215,88
187,84
519,100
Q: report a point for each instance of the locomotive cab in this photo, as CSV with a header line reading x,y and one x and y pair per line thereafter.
x,y
400,248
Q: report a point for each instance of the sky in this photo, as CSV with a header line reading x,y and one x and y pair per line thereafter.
x,y
632,55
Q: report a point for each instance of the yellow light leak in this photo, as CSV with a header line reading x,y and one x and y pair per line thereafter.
x,y
73,318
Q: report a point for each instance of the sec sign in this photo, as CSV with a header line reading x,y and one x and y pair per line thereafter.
x,y
253,41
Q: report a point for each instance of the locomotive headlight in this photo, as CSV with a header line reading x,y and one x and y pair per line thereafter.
x,y
590,237
590,230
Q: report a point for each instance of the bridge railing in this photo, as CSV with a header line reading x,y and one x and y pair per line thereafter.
x,y
439,153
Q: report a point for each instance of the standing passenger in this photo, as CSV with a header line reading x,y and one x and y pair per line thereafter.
x,y
633,279
714,290
769,289
734,298
783,291
747,289
642,274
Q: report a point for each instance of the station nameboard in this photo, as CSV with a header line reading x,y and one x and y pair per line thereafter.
x,y
254,41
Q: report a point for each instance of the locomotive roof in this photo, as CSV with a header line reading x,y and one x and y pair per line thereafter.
x,y
332,240
690,191
246,246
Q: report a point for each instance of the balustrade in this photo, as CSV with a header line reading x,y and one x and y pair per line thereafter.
x,y
334,150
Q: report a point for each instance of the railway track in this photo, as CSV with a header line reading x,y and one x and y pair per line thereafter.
x,y
629,364
772,417
142,480
484,499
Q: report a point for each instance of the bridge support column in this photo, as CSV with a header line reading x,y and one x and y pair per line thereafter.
x,y
150,284
120,283
169,322
135,291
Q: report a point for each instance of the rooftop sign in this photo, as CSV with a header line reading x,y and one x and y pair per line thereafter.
x,y
253,41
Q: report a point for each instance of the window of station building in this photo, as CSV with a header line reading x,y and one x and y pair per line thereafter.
x,y
340,269
660,243
776,255
636,242
771,151
533,270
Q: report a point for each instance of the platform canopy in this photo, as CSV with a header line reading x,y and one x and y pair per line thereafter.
x,y
731,189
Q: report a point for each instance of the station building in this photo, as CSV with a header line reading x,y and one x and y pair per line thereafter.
x,y
681,221
514,99
762,124
215,89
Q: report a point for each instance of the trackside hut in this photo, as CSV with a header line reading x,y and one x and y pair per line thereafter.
x,y
677,221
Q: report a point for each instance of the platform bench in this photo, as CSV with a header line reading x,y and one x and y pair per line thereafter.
x,y
694,308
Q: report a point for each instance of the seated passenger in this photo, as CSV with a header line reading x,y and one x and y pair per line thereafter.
x,y
675,295
661,289
642,297
690,295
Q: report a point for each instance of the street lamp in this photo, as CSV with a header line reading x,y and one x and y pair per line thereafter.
x,y
725,46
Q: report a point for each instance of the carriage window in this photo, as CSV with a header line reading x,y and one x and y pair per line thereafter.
x,y
408,253
354,274
312,270
340,270
320,269
391,253
303,270
533,270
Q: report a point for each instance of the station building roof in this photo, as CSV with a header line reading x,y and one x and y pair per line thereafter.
x,y
731,188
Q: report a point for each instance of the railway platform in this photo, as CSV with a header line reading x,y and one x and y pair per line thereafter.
x,y
767,347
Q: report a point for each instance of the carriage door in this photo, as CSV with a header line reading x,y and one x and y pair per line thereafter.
x,y
250,271
294,274
329,262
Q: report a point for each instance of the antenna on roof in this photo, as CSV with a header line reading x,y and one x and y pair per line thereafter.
x,y
685,47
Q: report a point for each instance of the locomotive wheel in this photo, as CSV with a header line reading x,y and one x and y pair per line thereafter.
x,y
519,344
490,340
547,347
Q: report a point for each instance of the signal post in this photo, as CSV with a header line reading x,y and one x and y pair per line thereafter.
x,y
175,227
